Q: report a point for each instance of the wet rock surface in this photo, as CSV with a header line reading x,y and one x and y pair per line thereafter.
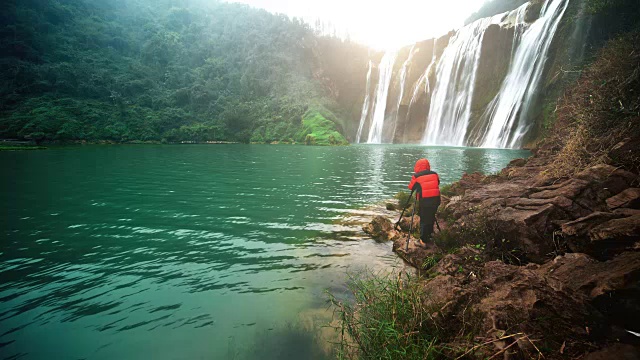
x,y
380,229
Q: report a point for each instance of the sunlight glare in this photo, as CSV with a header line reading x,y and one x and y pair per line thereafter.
x,y
381,25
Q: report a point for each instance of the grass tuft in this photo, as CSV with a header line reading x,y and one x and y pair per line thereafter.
x,y
386,319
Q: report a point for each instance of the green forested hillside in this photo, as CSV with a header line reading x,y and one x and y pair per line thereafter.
x,y
142,70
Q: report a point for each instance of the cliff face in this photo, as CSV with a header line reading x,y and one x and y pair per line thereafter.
x,y
581,30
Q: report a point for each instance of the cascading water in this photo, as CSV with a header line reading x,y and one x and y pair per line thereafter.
x,y
456,72
424,79
365,105
382,91
521,82
451,121
403,78
518,28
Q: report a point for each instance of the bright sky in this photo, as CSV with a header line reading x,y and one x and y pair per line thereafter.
x,y
379,24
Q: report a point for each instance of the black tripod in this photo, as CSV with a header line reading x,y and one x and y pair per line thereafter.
x,y
412,216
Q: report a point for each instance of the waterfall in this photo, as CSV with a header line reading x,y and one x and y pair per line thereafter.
x,y
403,77
384,80
427,73
450,120
450,107
518,28
424,78
510,107
365,105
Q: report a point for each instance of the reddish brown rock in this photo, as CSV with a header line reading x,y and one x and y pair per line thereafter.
x,y
499,299
585,275
409,250
582,226
627,228
568,189
467,181
406,224
629,198
466,260
524,217
502,190
624,212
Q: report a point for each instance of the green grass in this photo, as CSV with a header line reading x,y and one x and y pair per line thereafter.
x,y
318,129
386,319
446,190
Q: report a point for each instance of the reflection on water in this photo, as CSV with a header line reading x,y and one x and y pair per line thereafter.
x,y
178,251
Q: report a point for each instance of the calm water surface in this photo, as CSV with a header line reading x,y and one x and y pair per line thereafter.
x,y
194,251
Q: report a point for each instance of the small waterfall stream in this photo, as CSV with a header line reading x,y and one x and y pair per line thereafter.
x,y
518,28
509,107
403,78
424,79
365,104
382,91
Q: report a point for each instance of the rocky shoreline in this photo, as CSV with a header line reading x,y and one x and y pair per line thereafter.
x,y
543,258
535,264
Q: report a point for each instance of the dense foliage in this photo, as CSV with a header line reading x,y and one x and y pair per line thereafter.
x,y
141,70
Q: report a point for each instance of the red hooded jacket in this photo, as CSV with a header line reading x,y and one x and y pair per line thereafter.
x,y
427,181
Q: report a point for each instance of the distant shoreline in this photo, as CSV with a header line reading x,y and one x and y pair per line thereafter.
x,y
15,144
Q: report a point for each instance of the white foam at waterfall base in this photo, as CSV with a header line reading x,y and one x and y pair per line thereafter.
x,y
382,91
365,104
451,99
509,109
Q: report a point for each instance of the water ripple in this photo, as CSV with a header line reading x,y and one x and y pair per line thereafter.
x,y
210,240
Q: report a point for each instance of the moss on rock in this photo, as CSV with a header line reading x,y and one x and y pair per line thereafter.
x,y
319,128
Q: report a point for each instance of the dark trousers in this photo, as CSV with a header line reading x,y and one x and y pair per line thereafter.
x,y
428,209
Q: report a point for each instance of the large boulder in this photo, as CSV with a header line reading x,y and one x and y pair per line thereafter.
x,y
380,229
627,228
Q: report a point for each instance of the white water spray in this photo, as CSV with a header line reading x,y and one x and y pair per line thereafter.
x,y
365,105
510,107
456,73
382,91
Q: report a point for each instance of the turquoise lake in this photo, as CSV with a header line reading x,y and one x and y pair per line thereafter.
x,y
192,251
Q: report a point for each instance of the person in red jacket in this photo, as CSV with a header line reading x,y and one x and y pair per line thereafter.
x,y
426,184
